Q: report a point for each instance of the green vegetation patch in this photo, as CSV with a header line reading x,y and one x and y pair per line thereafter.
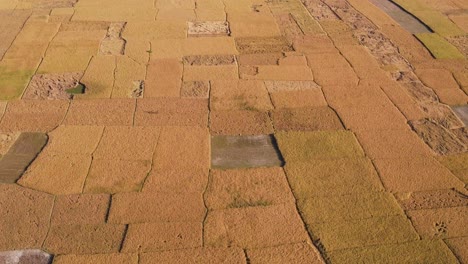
x,y
78,89
424,251
439,47
239,202
13,83
305,146
439,23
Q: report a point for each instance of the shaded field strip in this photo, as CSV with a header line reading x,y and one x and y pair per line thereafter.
x,y
20,155
405,19
245,152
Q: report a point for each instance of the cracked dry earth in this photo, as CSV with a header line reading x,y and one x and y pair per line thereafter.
x,y
233,131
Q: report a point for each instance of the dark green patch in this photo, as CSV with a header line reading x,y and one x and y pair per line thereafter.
x,y
79,89
239,202
243,104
